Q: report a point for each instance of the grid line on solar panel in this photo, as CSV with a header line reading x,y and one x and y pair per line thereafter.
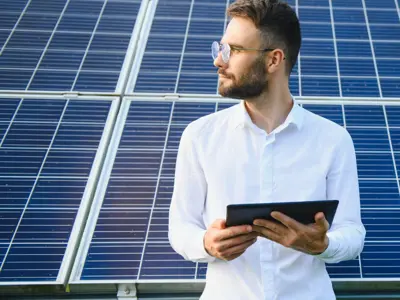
x,y
184,46
388,132
372,49
336,50
88,46
154,199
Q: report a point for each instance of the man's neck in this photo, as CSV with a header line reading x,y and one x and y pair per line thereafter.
x,y
270,109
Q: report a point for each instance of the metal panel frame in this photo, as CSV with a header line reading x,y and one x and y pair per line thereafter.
x,y
87,197
131,52
299,99
141,45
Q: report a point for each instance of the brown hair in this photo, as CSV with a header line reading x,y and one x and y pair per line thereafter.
x,y
277,22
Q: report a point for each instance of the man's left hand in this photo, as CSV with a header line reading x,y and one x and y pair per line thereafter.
x,y
311,239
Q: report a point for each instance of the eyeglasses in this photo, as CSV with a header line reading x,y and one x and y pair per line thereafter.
x,y
225,50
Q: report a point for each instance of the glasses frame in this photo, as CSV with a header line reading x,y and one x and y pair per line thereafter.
x,y
226,48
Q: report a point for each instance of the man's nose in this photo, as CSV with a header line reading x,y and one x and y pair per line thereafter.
x,y
219,62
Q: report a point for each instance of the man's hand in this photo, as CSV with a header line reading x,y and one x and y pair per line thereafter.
x,y
228,243
311,239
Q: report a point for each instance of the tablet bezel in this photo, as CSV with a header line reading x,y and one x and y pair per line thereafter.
x,y
302,211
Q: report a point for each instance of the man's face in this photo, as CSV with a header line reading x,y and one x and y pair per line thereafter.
x,y
244,76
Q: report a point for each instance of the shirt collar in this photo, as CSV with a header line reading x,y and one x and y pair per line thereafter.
x,y
242,118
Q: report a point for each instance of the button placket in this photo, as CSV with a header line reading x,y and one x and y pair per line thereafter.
x,y
267,170
266,186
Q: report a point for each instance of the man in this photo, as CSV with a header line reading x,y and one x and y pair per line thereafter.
x,y
265,149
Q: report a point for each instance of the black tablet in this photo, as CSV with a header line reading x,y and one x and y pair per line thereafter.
x,y
302,211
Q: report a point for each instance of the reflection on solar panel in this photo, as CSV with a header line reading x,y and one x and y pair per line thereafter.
x,y
64,45
127,233
48,159
350,48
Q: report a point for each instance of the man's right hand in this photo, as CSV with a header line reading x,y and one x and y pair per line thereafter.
x,y
228,243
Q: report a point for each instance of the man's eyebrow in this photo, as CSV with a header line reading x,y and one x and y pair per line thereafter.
x,y
235,45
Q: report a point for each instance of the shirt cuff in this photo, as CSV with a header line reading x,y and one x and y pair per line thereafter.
x,y
203,255
330,251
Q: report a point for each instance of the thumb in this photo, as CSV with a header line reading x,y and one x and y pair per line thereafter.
x,y
321,221
219,224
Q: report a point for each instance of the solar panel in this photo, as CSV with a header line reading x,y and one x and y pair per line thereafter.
x,y
126,237
50,155
350,49
65,45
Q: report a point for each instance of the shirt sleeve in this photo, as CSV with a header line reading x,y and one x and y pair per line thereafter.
x,y
186,226
347,233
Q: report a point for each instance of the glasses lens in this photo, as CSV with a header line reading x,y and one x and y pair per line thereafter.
x,y
226,52
214,50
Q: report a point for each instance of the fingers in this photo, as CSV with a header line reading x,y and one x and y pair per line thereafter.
x,y
219,224
218,239
230,243
230,232
268,233
233,231
274,226
321,221
237,250
287,221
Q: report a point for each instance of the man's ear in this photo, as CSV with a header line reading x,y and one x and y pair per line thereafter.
x,y
275,60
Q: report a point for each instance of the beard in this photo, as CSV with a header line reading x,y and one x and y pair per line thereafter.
x,y
250,85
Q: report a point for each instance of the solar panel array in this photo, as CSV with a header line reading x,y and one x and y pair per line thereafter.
x,y
51,149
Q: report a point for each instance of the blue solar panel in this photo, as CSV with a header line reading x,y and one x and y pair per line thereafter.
x,y
47,152
381,260
350,49
134,203
64,45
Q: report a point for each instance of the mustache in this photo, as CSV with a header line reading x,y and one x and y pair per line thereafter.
x,y
223,73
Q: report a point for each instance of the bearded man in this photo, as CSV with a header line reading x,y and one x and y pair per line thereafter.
x,y
266,148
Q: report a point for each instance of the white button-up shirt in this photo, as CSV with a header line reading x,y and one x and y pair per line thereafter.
x,y
224,158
